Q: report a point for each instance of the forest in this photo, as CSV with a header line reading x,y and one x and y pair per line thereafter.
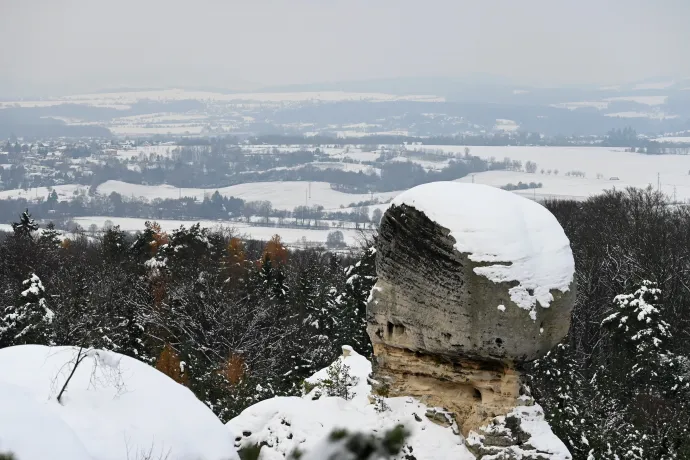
x,y
241,321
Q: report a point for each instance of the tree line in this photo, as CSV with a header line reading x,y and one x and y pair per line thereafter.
x,y
618,387
241,321
235,321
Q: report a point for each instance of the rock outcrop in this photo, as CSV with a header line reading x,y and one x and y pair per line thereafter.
x,y
473,281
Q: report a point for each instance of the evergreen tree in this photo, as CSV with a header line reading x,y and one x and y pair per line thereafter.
x,y
26,225
50,238
351,303
641,390
30,321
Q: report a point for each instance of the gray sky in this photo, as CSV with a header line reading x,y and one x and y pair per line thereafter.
x,y
64,46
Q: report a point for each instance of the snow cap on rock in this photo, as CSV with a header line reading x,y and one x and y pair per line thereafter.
x,y
449,253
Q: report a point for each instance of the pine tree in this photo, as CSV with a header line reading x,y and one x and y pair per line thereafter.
x,y
26,225
651,386
351,303
30,321
50,238
640,391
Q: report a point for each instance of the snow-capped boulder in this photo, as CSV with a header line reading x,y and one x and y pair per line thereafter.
x,y
113,408
472,271
522,434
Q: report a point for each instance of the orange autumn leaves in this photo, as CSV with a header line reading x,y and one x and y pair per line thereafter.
x,y
275,251
233,369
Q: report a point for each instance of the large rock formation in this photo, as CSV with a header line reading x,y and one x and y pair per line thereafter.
x,y
472,282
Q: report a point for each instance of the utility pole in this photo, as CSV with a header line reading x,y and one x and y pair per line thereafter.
x,y
658,182
473,178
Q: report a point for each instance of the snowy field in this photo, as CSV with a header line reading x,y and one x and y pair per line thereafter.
x,y
426,164
65,192
350,167
172,128
290,236
283,195
164,150
124,100
631,169
675,140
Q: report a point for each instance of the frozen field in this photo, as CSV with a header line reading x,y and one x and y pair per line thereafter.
x,y
124,100
283,195
291,236
65,192
139,130
553,186
164,150
632,169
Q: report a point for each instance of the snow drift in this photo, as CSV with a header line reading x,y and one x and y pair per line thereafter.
x,y
282,424
114,408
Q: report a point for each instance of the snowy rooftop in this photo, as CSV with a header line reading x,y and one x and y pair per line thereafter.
x,y
519,238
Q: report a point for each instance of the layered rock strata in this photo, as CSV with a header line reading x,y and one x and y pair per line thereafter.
x,y
448,323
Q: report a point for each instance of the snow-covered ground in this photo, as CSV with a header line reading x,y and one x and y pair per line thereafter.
x,y
560,186
426,164
657,115
164,150
283,195
114,408
290,236
604,103
290,422
124,100
676,140
351,167
506,125
282,424
600,105
647,100
631,169
171,128
64,192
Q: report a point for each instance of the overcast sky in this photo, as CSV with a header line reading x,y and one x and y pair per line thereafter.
x,y
83,45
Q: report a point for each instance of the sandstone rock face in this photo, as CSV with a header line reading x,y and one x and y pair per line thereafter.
x,y
429,298
474,392
464,297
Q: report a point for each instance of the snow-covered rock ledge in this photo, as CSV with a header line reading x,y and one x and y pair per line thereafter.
x,y
281,425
